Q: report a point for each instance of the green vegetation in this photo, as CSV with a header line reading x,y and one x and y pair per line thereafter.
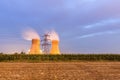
x,y
63,57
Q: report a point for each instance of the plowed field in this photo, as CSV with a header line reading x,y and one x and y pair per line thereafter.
x,y
60,71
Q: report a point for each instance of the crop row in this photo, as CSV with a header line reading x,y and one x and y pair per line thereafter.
x,y
63,57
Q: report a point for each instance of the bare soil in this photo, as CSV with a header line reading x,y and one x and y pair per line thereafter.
x,y
60,71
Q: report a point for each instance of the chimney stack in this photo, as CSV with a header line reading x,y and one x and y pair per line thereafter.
x,y
35,48
55,47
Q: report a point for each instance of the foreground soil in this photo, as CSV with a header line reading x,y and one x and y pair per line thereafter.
x,y
60,71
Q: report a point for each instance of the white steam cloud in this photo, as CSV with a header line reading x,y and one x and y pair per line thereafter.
x,y
54,35
29,34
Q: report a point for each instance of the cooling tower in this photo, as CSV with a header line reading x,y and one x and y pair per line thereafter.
x,y
55,47
35,48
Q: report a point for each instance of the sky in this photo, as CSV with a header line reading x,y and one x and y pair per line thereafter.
x,y
84,26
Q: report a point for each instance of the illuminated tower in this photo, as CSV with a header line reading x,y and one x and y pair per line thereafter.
x,y
35,48
55,47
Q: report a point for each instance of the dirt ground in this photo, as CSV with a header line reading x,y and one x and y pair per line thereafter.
x,y
60,71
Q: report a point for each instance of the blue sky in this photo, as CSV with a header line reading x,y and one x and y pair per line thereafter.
x,y
84,26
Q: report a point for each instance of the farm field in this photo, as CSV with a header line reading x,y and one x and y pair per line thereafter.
x,y
99,70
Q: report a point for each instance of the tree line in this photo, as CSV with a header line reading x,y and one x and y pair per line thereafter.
x,y
63,57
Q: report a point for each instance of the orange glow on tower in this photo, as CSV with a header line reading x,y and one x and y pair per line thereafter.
x,y
55,47
35,48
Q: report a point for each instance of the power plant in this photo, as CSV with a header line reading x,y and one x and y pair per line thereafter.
x,y
48,45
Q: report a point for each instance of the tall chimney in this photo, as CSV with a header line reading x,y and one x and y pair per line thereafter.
x,y
55,47
35,48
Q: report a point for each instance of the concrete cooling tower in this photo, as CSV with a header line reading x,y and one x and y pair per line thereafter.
x,y
35,48
55,47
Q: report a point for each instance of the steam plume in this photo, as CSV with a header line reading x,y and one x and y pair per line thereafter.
x,y
54,36
30,34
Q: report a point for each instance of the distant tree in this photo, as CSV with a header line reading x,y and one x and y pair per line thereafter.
x,y
1,52
22,52
16,53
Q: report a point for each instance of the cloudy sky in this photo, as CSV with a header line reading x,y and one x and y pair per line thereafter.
x,y
84,26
